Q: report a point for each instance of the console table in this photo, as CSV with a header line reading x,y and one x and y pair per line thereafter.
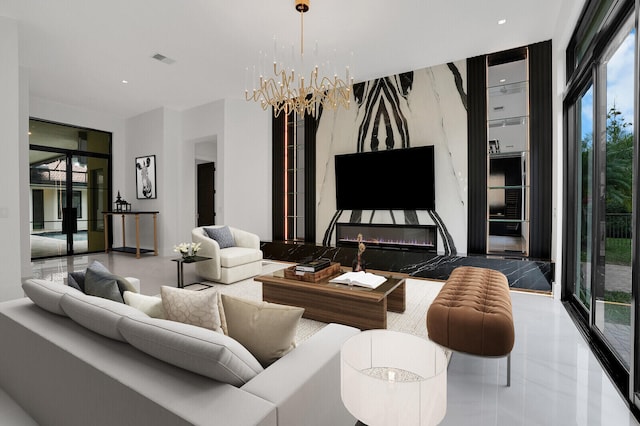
x,y
137,250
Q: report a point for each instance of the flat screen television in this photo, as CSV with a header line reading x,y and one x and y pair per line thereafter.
x,y
395,179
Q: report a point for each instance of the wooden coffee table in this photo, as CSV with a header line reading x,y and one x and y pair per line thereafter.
x,y
329,302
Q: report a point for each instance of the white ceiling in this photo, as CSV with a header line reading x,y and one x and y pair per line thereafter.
x,y
78,51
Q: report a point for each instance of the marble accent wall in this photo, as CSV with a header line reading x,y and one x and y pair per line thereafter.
x,y
417,108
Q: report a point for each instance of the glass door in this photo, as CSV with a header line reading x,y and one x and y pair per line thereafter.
x,y
612,316
584,200
48,173
69,178
68,195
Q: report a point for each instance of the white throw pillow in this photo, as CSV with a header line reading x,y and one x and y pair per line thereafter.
x,y
191,307
150,305
267,330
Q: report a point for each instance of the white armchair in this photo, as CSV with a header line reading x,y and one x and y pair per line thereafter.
x,y
230,264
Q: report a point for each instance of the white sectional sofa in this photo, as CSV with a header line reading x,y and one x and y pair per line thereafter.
x,y
66,360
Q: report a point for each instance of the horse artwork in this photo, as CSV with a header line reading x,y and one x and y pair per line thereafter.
x,y
146,177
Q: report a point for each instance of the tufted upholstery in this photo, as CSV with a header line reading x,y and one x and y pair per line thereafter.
x,y
472,313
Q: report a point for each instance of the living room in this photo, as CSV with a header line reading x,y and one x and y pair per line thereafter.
x,y
222,127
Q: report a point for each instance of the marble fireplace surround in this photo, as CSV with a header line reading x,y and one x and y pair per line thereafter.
x,y
526,274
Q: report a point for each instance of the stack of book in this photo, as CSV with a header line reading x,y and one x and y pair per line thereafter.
x,y
313,265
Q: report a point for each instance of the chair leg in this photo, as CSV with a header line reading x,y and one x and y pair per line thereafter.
x,y
509,370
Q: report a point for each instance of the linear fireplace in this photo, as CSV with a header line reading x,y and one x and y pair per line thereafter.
x,y
388,236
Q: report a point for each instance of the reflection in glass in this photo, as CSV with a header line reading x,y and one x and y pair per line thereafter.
x,y
613,289
584,221
508,156
69,177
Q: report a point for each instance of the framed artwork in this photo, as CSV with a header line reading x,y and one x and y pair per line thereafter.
x,y
146,177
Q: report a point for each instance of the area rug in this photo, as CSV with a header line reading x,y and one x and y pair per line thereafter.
x,y
419,293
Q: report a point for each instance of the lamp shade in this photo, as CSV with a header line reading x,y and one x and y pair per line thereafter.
x,y
393,378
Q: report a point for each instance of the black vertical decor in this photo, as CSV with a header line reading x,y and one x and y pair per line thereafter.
x,y
277,176
310,126
541,133
477,155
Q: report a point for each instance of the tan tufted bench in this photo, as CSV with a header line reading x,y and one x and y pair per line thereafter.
x,y
472,314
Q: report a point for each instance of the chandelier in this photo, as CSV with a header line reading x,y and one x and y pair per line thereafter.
x,y
288,90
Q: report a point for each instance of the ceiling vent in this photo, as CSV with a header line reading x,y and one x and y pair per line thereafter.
x,y
163,59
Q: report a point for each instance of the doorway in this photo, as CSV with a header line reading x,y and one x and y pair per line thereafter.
x,y
206,194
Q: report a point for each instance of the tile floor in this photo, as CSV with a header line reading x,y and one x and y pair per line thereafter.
x,y
555,379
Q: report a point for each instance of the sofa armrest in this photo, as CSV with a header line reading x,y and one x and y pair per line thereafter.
x,y
245,238
305,383
134,282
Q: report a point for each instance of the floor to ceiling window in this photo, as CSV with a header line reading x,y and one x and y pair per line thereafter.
x,y
601,176
69,180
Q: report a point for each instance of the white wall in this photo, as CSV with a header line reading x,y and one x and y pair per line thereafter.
x,y
241,133
10,127
247,168
145,135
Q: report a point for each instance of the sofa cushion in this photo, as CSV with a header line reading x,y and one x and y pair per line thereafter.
x,y
192,307
96,313
193,348
235,256
267,330
47,294
222,234
150,305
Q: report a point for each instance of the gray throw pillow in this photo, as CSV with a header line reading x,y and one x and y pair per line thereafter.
x,y
102,284
76,279
222,235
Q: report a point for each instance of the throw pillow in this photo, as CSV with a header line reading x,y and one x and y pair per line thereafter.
x,y
267,330
150,305
223,318
222,235
191,307
76,279
102,284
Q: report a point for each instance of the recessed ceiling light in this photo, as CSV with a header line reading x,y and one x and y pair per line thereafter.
x,y
502,21
125,81
502,80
